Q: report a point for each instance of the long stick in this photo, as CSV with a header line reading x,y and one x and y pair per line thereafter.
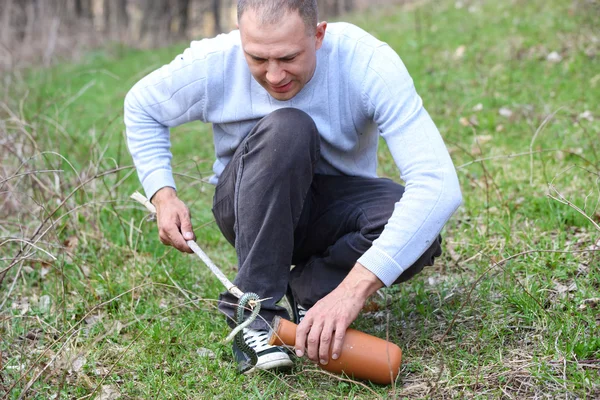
x,y
231,288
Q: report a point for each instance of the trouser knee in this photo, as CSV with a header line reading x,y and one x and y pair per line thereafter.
x,y
285,137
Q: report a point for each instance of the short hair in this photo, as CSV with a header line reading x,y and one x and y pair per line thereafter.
x,y
272,11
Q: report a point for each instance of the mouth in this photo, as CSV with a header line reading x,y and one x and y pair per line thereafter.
x,y
282,88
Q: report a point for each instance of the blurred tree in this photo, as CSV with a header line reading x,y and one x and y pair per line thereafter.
x,y
156,21
216,9
84,10
106,14
183,11
116,17
122,18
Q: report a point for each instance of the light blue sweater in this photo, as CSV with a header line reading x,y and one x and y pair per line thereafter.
x,y
360,89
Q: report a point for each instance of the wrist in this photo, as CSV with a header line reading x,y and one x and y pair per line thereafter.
x,y
163,194
361,282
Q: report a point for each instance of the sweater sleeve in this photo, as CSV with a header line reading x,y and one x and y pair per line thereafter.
x,y
170,96
432,191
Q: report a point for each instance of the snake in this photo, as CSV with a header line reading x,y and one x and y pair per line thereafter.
x,y
245,301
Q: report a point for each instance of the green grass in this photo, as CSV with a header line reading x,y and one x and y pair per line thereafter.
x,y
506,312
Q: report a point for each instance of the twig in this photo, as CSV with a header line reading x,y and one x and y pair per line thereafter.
x,y
12,286
29,173
72,328
77,95
497,264
28,243
563,200
537,132
36,377
180,289
62,203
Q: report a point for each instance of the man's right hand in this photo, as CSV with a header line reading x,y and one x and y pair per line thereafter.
x,y
173,217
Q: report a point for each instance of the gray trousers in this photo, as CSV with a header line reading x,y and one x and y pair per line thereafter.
x,y
277,212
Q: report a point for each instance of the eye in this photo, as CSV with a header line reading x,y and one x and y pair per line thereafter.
x,y
288,59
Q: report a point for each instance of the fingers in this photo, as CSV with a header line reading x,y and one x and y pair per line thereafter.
x,y
176,238
174,225
186,226
301,333
325,343
338,339
313,340
321,333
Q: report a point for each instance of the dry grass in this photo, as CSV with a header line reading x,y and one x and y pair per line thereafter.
x,y
92,305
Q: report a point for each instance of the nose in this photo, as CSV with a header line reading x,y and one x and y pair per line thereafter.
x,y
275,74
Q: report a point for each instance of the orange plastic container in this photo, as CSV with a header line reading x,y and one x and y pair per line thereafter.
x,y
363,356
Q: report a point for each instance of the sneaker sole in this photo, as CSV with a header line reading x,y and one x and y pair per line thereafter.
x,y
272,361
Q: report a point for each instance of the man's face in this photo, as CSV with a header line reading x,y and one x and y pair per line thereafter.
x,y
282,57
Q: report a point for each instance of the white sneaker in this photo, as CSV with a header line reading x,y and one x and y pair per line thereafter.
x,y
269,357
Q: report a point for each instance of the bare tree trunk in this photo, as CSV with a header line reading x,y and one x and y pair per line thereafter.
x,y
20,20
183,16
155,21
216,6
122,18
349,6
79,8
106,15
59,8
83,9
7,10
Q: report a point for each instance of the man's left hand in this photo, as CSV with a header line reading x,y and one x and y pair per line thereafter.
x,y
328,319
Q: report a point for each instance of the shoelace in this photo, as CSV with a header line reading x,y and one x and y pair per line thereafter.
x,y
301,312
257,339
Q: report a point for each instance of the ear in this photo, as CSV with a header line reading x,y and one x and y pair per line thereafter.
x,y
320,34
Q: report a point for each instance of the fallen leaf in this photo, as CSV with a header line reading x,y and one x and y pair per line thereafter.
x,y
109,392
592,303
78,363
587,114
33,334
459,52
483,139
22,305
203,352
464,122
499,128
44,304
563,289
101,371
371,306
44,271
478,107
505,112
554,57
93,319
71,243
